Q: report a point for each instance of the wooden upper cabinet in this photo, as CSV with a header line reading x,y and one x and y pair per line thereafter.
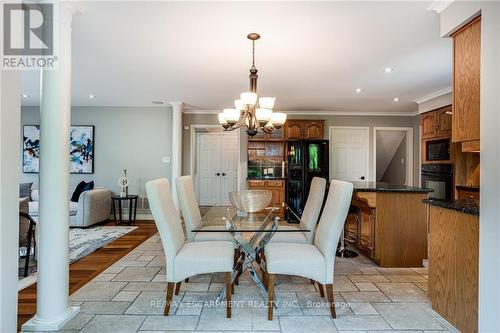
x,y
313,130
304,129
429,129
437,123
466,79
444,121
293,130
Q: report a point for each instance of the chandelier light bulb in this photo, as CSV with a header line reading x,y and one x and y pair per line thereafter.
x,y
267,102
263,116
238,104
222,119
231,116
278,119
249,98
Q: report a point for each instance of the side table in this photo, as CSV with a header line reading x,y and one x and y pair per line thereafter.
x,y
132,208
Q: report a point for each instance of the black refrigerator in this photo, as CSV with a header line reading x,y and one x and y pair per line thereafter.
x,y
305,160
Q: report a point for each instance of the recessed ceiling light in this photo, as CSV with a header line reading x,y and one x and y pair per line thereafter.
x,y
388,70
91,96
396,99
358,90
157,102
25,96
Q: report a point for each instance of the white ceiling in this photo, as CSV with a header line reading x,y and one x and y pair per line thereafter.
x,y
312,56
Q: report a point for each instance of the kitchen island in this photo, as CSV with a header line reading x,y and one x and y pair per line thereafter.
x,y
389,223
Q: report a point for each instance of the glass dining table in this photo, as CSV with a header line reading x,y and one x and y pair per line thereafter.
x,y
252,232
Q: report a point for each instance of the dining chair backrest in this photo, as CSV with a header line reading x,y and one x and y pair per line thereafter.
x,y
312,208
188,204
167,220
332,222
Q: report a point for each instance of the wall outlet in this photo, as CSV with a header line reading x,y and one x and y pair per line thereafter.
x,y
186,127
166,159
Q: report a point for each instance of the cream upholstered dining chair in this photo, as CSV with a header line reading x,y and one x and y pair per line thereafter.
x,y
314,261
191,213
186,259
308,219
192,219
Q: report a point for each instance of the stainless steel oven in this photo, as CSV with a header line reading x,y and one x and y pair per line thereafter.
x,y
438,177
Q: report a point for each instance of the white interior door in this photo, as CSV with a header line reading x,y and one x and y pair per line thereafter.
x,y
208,162
217,167
349,153
229,166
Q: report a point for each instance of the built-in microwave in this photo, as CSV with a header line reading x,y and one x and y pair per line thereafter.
x,y
437,150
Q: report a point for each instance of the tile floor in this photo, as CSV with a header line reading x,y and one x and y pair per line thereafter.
x,y
128,296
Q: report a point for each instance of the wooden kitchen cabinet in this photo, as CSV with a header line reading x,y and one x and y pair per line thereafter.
x,y
454,266
444,121
297,129
428,121
277,188
437,123
392,228
466,82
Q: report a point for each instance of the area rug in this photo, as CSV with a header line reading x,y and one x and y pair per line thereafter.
x,y
82,242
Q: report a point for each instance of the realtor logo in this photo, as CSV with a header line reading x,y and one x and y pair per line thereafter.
x,y
28,35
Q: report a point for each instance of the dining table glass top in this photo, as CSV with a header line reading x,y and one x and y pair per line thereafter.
x,y
230,219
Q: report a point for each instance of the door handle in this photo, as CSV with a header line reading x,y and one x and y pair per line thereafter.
x,y
362,177
217,174
223,174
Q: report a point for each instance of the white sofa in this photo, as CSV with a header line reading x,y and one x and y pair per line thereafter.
x,y
93,206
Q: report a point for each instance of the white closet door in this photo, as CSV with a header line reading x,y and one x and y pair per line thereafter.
x,y
208,162
229,166
349,157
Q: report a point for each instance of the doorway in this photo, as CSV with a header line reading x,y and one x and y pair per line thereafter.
x,y
216,166
393,155
349,158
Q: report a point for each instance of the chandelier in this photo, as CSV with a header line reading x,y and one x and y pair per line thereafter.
x,y
249,110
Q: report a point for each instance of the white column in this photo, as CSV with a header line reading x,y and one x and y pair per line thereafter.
x,y
177,108
10,170
53,310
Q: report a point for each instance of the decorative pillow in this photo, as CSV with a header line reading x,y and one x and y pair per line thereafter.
x,y
80,188
25,190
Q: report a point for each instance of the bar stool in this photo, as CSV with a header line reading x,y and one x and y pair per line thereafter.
x,y
342,251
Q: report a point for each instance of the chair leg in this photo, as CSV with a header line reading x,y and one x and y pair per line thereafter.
x,y
228,294
270,293
321,290
331,300
168,299
177,288
236,257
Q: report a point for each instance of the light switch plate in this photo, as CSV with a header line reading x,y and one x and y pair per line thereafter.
x,y
166,159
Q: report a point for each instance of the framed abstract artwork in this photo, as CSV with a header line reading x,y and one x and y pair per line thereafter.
x,y
81,149
31,148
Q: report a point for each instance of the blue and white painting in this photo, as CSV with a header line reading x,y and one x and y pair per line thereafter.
x,y
31,148
81,149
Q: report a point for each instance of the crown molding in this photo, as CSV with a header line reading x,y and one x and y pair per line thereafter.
x,y
440,6
433,95
323,113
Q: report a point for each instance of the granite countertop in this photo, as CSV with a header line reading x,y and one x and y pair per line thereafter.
x,y
464,206
368,186
468,188
265,178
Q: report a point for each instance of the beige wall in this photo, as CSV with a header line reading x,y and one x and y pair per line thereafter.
x,y
369,121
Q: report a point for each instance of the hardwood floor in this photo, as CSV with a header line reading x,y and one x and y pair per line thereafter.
x,y
85,269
